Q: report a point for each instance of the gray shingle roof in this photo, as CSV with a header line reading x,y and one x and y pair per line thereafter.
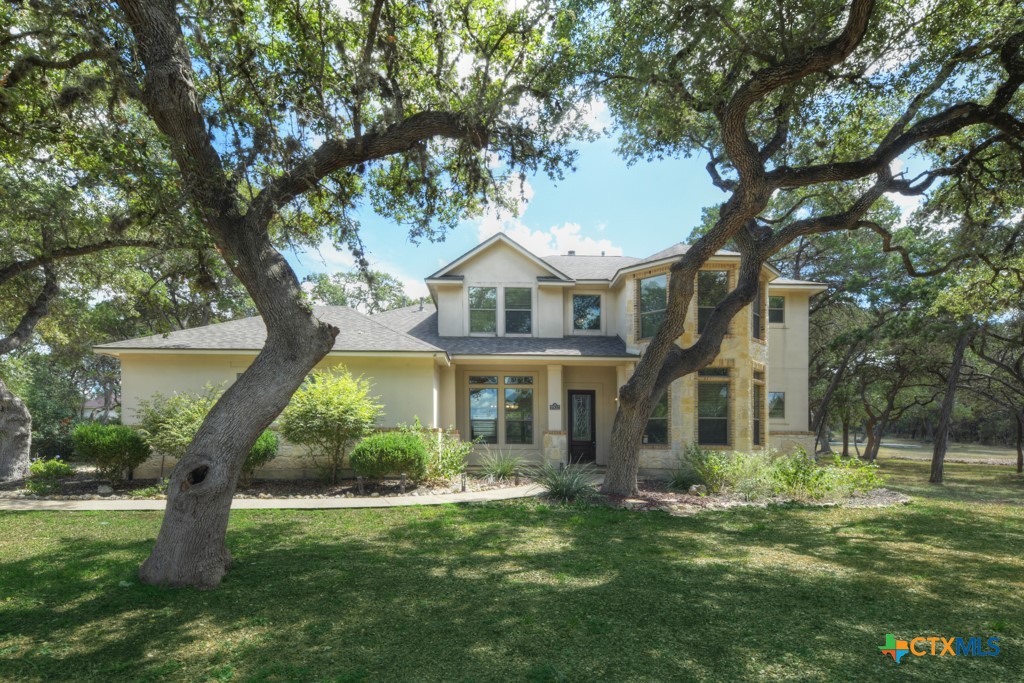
x,y
422,324
591,267
358,332
680,248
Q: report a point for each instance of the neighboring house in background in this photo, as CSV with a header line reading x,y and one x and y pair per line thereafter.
x,y
528,353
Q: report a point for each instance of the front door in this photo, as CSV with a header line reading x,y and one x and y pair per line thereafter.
x,y
582,439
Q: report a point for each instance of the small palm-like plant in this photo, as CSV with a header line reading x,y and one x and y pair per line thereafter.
x,y
499,465
565,484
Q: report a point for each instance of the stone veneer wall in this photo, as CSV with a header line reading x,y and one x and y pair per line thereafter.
x,y
740,353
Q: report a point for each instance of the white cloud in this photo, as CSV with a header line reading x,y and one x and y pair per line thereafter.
x,y
596,116
558,239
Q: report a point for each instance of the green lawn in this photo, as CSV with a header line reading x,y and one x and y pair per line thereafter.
x,y
531,592
903,448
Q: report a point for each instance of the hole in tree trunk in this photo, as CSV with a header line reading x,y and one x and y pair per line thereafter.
x,y
197,475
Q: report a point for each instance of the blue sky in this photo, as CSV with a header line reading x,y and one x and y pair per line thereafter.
x,y
602,206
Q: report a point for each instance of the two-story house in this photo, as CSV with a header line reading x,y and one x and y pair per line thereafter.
x,y
526,353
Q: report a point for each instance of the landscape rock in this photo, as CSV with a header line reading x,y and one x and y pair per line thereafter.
x,y
104,489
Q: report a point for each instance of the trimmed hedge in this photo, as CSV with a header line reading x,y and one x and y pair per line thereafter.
x,y
390,453
114,449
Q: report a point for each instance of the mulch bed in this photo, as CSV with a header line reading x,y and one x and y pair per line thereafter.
x,y
655,495
84,485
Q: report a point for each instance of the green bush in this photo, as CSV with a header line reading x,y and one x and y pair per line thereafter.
x,y
114,449
262,452
170,423
499,465
707,466
762,474
564,484
328,413
446,456
44,475
390,453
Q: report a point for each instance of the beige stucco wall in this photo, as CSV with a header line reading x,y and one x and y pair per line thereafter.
x,y
788,360
500,266
602,381
407,386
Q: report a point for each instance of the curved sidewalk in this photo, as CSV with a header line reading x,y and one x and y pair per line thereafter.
x,y
525,491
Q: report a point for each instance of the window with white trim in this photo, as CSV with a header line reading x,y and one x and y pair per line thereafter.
x,y
501,408
483,309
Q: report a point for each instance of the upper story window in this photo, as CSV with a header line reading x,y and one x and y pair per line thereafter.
x,y
756,330
483,309
653,302
776,309
586,312
712,286
777,405
518,310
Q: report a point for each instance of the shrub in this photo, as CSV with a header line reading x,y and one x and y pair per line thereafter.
x,y
390,453
564,484
170,423
446,454
499,465
329,412
799,476
708,467
114,449
44,475
750,474
262,452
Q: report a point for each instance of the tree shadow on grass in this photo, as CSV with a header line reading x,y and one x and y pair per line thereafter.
x,y
518,592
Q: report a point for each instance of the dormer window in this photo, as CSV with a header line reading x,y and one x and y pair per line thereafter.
x,y
518,310
483,309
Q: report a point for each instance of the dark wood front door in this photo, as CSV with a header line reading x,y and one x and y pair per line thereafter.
x,y
582,432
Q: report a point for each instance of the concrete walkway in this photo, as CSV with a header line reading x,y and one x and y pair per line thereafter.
x,y
524,491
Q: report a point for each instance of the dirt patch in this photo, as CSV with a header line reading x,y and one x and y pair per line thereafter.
x,y
655,495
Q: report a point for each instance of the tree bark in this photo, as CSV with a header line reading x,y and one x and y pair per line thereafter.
x,y
823,438
846,438
1020,443
946,413
15,435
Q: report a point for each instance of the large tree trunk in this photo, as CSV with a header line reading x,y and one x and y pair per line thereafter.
x,y
946,413
846,438
824,440
874,430
15,435
190,549
627,435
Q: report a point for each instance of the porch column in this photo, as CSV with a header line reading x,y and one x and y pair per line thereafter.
x,y
555,420
446,397
555,443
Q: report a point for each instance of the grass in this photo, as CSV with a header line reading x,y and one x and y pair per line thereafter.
x,y
531,592
906,448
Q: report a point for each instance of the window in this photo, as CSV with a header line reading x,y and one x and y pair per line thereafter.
x,y
586,311
712,286
777,404
776,309
713,372
657,425
653,302
514,413
755,326
518,310
713,413
483,309
756,409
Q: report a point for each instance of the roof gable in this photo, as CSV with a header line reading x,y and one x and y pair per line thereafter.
x,y
493,242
